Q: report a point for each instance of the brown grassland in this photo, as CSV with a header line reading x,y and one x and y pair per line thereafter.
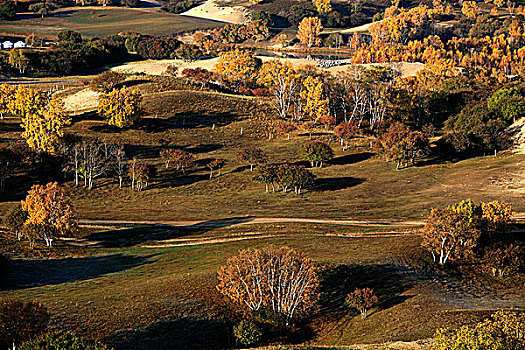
x,y
152,286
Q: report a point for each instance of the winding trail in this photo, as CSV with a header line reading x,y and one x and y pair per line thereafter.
x,y
247,221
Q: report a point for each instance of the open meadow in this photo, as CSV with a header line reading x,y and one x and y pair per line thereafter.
x,y
325,175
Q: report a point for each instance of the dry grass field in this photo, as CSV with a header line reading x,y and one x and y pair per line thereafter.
x,y
153,286
103,21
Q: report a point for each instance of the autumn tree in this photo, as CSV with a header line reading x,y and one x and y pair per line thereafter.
x,y
21,321
252,155
322,6
313,99
238,67
403,145
470,9
217,163
346,131
503,330
18,60
280,280
182,159
282,81
309,30
452,232
105,82
317,152
121,107
15,219
362,300
49,208
142,176
119,164
285,128
267,174
167,155
43,118
507,104
503,259
294,176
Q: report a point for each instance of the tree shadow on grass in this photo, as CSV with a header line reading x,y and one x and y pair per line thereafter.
x,y
185,120
177,179
337,183
128,237
387,280
40,272
184,333
351,158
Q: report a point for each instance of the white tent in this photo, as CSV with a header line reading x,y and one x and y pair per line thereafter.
x,y
19,45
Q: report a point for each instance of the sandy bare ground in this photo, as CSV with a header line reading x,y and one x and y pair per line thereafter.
x,y
82,101
517,132
212,10
359,29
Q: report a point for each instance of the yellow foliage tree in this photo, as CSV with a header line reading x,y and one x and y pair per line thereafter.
x,y
18,60
7,99
43,129
237,67
42,117
48,208
322,6
121,107
470,9
315,106
282,81
309,30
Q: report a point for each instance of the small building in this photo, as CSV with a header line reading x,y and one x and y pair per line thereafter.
x,y
7,45
19,45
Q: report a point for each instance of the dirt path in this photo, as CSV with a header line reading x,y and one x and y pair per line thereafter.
x,y
247,221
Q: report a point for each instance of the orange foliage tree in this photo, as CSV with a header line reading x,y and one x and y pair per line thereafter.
x,y
49,208
309,30
279,279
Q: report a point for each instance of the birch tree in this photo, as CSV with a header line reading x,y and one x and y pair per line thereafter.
x,y
280,280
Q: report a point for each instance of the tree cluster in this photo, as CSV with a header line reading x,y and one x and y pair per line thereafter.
x,y
284,176
467,231
280,280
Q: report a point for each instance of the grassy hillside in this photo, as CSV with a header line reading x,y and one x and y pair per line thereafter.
x,y
358,183
102,21
167,296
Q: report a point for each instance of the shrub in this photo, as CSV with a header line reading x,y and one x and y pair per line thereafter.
x,y
504,259
64,341
247,332
105,82
285,128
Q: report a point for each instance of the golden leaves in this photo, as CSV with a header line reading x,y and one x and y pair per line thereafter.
x,y
121,107
309,30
